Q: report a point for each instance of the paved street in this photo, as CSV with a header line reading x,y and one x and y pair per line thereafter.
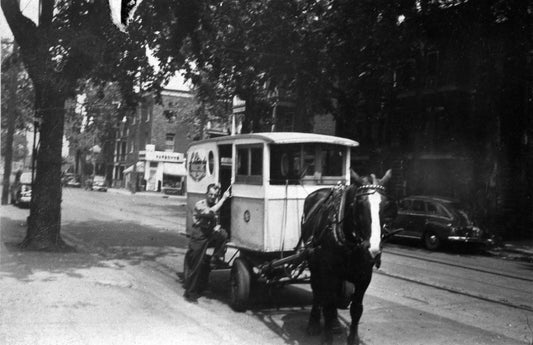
x,y
119,286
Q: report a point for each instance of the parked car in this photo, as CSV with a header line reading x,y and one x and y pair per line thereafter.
x,y
71,180
21,189
98,183
436,220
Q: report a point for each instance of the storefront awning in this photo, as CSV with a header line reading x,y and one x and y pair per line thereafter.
x,y
175,169
140,168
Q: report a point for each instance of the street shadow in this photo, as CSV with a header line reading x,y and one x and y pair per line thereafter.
x,y
90,243
283,309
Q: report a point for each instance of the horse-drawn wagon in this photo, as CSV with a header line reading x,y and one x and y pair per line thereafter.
x,y
293,209
271,174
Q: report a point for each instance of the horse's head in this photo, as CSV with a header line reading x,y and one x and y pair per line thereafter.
x,y
370,205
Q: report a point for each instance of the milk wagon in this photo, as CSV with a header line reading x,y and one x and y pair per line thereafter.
x,y
271,174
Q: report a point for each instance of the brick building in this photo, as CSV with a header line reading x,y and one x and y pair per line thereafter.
x,y
151,143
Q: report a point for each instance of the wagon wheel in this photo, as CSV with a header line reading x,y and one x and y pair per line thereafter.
x,y
431,240
240,280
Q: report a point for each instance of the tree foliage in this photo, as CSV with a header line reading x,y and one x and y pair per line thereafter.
x,y
11,63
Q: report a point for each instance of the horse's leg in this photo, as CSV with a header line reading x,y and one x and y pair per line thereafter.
x,y
329,306
313,325
356,308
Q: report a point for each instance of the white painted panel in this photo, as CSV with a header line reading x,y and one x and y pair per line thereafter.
x,y
284,218
247,234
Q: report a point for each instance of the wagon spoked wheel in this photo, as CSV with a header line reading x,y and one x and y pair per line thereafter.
x,y
240,280
431,240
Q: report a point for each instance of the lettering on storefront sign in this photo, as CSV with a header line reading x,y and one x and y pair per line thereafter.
x,y
198,165
160,156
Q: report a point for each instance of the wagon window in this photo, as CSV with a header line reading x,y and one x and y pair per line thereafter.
x,y
256,161
242,159
332,160
249,165
285,164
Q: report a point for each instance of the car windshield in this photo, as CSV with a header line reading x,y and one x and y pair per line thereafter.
x,y
460,212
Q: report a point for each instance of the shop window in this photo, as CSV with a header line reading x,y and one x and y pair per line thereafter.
x,y
249,165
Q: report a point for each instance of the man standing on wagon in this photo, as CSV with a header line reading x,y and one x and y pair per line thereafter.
x,y
206,232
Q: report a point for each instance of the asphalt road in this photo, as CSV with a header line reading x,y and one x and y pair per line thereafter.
x,y
417,297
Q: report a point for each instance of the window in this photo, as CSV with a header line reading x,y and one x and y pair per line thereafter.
x,y
211,163
332,160
309,163
418,206
169,142
170,116
432,209
249,164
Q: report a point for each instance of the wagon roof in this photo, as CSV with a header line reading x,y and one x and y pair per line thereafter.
x,y
283,138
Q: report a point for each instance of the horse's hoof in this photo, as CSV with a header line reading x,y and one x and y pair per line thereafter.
x,y
313,328
352,340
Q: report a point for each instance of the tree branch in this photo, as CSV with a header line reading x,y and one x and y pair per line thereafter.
x,y
24,30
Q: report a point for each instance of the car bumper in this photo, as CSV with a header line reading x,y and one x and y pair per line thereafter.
x,y
25,199
100,189
473,240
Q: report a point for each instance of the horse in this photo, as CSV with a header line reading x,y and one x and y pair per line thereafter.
x,y
342,228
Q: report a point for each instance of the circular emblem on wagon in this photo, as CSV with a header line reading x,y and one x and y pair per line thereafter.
x,y
246,216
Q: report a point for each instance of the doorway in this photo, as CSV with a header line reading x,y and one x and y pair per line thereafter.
x,y
224,178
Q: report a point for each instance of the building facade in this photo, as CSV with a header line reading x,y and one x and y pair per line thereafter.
x,y
150,144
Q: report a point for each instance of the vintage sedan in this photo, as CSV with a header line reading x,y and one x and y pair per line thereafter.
x,y
21,189
436,220
99,184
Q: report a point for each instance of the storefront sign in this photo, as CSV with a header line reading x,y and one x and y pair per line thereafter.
x,y
161,156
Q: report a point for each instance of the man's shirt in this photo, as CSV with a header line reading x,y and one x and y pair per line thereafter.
x,y
204,217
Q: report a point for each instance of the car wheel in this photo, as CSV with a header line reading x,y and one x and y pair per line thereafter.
x,y
431,240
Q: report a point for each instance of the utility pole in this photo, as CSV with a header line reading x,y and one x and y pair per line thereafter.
x,y
11,119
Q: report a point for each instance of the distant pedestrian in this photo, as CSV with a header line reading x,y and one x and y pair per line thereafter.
x,y
206,232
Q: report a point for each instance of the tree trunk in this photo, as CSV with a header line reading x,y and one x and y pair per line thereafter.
x,y
44,222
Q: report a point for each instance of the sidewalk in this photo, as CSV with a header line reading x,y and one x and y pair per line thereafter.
x,y
94,293
515,250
